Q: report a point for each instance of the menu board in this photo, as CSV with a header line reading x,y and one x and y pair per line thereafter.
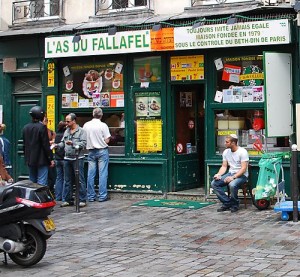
x,y
148,122
187,68
149,135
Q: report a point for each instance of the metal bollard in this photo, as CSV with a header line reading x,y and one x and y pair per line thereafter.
x,y
77,180
295,191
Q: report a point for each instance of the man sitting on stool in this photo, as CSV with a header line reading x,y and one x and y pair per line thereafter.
x,y
237,159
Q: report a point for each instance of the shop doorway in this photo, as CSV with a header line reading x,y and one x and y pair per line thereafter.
x,y
27,93
189,131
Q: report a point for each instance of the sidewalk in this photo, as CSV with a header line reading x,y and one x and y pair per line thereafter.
x,y
115,239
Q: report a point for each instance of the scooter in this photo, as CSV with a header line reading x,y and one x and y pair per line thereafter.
x,y
24,222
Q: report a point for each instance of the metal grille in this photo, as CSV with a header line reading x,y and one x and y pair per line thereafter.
x,y
35,10
120,5
28,85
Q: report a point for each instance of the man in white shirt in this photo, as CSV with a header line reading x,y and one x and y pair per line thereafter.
x,y
237,159
98,137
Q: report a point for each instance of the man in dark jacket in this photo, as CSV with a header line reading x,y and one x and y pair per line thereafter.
x,y
37,152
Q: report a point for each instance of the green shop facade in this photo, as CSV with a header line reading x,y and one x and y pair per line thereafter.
x,y
169,96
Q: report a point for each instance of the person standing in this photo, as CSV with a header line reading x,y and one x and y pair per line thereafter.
x,y
37,152
74,140
5,149
98,137
237,159
59,162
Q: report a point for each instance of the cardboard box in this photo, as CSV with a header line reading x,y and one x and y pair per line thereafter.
x,y
222,123
236,123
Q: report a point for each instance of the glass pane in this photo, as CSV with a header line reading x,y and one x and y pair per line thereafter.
x,y
185,123
240,79
147,69
116,123
249,126
140,3
118,4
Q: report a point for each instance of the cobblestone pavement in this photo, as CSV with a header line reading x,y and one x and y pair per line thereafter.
x,y
115,239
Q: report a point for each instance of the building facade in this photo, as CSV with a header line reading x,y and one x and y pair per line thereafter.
x,y
172,85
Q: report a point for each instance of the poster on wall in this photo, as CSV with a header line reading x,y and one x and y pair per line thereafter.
x,y
241,79
187,68
93,85
186,99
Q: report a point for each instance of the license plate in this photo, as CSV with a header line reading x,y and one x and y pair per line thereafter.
x,y
49,224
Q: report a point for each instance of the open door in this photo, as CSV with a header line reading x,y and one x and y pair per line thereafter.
x,y
278,94
188,137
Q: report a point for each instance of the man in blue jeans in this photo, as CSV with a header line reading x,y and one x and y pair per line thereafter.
x,y
98,137
237,159
73,140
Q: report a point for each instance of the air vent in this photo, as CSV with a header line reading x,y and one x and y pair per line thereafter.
x,y
9,64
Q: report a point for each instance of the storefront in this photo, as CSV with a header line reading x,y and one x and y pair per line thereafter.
x,y
171,96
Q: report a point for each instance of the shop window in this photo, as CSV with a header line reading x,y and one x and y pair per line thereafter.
x,y
116,124
147,70
241,94
96,84
249,126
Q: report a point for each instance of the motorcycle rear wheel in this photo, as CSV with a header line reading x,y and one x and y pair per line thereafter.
x,y
35,249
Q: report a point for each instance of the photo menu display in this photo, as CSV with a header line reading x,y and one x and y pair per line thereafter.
x,y
93,85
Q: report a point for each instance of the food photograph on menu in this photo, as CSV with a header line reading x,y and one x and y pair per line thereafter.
x,y
148,104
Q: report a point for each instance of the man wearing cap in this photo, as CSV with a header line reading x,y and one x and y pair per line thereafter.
x,y
237,159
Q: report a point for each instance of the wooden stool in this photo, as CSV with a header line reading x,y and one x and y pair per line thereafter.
x,y
246,187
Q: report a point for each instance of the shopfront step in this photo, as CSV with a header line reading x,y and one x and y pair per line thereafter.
x,y
193,194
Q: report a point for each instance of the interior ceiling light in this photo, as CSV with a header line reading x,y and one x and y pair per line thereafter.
x,y
76,38
231,20
156,27
112,30
199,23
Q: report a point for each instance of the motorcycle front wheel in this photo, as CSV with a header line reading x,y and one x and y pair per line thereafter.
x,y
35,249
